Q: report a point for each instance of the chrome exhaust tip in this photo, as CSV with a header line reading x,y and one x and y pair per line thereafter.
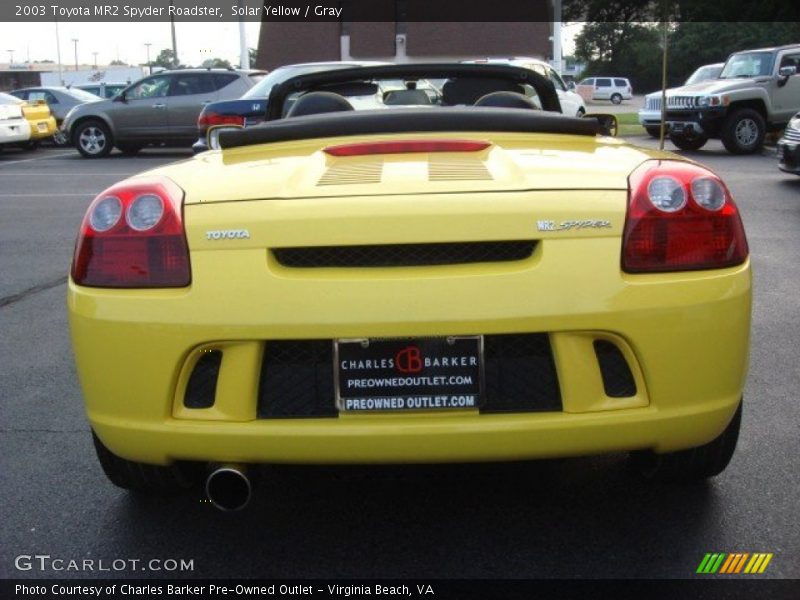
x,y
228,487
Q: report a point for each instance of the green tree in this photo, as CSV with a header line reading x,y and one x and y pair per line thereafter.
x,y
165,58
217,63
626,49
694,44
116,63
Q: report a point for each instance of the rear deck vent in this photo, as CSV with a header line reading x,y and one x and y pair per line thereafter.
x,y
351,172
461,168
202,387
404,255
618,380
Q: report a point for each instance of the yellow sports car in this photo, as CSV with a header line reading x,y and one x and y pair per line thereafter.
x,y
458,278
38,115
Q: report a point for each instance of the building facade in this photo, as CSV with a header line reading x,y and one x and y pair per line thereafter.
x,y
282,43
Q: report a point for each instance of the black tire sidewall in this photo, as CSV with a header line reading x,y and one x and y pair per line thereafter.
x,y
616,99
686,144
100,125
729,131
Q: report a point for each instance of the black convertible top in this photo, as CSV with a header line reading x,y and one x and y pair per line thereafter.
x,y
453,72
408,120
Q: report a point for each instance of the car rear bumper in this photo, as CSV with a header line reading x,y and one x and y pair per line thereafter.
x,y
684,336
789,156
15,131
43,129
418,438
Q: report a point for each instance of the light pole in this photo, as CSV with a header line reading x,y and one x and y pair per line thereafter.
x,y
95,59
175,62
10,57
75,41
58,52
149,66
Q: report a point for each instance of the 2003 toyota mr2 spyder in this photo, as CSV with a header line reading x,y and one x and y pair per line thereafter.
x,y
471,277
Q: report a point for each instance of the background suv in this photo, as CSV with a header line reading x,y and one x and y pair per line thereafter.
x,y
161,109
615,89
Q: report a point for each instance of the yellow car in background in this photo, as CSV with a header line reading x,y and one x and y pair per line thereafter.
x,y
465,279
37,114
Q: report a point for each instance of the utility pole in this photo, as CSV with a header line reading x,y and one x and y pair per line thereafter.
x,y
244,55
10,57
75,41
95,59
175,61
149,66
557,36
58,56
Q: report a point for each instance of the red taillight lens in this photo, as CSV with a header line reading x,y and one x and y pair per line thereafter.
x,y
209,119
133,237
681,217
404,146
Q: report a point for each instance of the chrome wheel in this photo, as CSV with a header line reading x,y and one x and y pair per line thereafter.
x,y
92,140
746,132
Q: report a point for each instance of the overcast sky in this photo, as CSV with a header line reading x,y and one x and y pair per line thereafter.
x,y
126,41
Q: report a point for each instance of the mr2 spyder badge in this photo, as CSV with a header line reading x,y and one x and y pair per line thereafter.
x,y
569,225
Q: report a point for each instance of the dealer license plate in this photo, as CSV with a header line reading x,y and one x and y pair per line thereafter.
x,y
409,373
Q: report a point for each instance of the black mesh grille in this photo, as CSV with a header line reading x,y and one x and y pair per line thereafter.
x,y
618,380
404,255
520,374
202,387
297,377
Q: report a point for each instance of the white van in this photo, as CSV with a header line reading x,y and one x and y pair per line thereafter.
x,y
615,89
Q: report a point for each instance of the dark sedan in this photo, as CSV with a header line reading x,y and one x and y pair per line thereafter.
x,y
251,108
789,147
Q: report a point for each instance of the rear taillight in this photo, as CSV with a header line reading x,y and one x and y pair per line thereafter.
x,y
406,146
681,217
133,237
210,119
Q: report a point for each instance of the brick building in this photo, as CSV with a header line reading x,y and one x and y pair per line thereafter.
x,y
282,43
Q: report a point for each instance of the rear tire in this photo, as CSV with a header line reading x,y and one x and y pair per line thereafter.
x,y
92,138
143,478
616,98
654,131
693,464
743,131
685,143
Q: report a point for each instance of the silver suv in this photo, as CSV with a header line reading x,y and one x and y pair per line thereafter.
x,y
161,109
756,92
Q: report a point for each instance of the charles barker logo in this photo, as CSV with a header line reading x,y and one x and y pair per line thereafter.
x,y
408,360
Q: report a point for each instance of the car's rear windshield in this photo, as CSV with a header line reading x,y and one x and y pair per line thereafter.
x,y
265,85
749,64
82,95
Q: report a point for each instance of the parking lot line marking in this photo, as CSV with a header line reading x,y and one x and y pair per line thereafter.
x,y
24,160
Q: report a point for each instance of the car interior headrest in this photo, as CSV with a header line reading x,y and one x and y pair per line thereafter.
x,y
315,103
468,90
406,98
506,100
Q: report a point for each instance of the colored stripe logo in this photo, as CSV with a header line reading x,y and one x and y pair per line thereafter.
x,y
734,563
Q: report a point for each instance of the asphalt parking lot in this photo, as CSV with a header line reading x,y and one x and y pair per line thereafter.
x,y
566,518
